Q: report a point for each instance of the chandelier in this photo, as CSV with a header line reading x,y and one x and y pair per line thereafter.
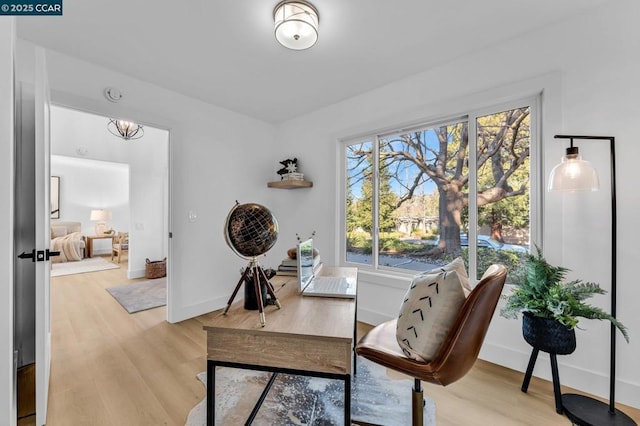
x,y
124,129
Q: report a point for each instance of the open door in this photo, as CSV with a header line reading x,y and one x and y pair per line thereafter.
x,y
32,332
43,237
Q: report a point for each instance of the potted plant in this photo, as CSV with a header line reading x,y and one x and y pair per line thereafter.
x,y
551,307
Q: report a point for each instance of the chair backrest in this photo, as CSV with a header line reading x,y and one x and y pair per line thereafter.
x,y
121,238
460,349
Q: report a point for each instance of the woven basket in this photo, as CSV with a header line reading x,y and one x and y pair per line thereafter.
x,y
548,335
156,269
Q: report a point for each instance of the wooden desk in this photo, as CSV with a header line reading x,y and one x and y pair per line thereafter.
x,y
90,239
310,336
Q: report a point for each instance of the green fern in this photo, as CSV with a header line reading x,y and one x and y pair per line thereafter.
x,y
543,294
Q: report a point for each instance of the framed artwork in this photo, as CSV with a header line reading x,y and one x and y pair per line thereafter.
x,y
55,197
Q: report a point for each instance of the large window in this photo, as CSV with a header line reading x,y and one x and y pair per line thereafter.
x,y
417,198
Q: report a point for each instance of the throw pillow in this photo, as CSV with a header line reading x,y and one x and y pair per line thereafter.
x,y
428,311
456,265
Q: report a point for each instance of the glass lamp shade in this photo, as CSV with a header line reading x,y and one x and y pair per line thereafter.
x,y
127,130
296,24
573,174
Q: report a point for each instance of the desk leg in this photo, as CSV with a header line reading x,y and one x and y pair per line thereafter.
x,y
355,339
89,247
211,393
347,399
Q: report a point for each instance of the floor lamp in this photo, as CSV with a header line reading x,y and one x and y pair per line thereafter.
x,y
575,174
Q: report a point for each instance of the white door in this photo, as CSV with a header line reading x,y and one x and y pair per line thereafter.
x,y
32,332
43,236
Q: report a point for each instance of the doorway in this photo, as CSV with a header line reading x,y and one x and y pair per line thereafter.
x,y
126,179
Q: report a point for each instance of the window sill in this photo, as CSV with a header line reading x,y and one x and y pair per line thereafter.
x,y
391,279
399,280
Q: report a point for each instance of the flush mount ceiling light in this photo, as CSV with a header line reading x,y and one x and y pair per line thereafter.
x,y
296,24
126,130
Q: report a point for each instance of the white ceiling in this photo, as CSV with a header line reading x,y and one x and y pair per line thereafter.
x,y
224,52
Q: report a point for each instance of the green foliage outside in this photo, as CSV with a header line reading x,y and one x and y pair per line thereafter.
x,y
544,293
513,261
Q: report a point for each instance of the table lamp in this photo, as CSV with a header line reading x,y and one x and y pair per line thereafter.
x,y
101,216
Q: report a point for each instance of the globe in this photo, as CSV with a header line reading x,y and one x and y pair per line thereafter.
x,y
250,230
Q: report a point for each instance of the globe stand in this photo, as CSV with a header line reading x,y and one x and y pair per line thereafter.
x,y
258,277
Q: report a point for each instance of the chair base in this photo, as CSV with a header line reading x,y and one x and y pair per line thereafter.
x,y
417,407
417,404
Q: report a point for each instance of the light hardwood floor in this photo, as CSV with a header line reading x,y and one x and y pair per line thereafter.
x,y
112,368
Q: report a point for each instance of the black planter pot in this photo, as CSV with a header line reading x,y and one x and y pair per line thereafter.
x,y
548,335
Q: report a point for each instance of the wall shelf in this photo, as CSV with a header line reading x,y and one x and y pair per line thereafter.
x,y
290,184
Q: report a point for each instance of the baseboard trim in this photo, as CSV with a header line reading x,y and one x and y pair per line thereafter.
x,y
190,311
578,378
137,273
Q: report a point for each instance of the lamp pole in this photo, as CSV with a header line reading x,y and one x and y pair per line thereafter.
x,y
581,409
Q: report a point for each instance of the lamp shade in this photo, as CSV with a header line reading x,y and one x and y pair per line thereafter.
x,y
296,24
100,215
573,174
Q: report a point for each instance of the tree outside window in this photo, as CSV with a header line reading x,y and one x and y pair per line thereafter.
x,y
408,198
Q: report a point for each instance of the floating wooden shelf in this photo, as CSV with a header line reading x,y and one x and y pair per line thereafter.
x,y
290,184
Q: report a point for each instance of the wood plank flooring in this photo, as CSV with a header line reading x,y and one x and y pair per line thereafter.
x,y
113,368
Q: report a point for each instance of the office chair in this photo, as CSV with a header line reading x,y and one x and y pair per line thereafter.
x,y
458,352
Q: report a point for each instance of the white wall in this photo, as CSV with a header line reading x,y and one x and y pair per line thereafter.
x,y
216,157
89,184
7,379
83,135
588,69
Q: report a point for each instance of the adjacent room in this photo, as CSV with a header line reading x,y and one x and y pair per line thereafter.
x,y
465,168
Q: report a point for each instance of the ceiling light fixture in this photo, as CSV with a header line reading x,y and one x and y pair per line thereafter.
x,y
296,24
124,129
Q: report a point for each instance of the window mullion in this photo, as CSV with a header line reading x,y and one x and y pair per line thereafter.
x,y
375,234
472,196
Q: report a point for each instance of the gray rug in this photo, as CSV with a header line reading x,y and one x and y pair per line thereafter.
x,y
142,295
296,400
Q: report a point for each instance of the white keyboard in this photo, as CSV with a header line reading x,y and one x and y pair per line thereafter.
x,y
329,283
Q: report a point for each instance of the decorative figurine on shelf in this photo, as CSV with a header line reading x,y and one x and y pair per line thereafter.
x,y
289,166
290,170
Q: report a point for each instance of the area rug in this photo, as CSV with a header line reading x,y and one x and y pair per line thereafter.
x,y
142,295
92,264
297,400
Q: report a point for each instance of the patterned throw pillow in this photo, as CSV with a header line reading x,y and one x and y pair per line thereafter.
x,y
428,311
456,265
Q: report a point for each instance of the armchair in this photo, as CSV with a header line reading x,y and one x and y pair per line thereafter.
x,y
120,243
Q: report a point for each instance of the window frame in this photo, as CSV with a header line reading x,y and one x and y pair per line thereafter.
x,y
471,115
